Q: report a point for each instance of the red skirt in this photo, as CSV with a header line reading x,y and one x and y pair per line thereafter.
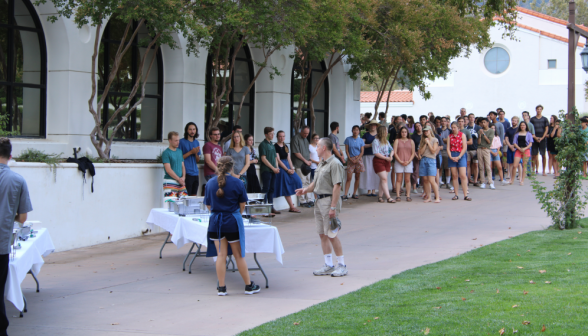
x,y
381,165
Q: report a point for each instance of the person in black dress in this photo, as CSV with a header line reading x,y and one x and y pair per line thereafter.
x,y
287,181
253,185
554,133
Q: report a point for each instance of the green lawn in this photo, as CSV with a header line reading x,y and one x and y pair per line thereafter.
x,y
477,293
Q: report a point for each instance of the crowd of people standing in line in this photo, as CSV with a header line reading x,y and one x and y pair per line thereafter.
x,y
428,154
416,157
438,151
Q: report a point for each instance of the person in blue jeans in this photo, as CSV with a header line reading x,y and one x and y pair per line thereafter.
x,y
458,161
191,151
269,167
428,166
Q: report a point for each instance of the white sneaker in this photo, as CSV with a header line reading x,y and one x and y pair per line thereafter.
x,y
492,186
483,186
340,270
325,270
504,182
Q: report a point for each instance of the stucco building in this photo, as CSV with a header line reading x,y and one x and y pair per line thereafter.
x,y
515,74
45,95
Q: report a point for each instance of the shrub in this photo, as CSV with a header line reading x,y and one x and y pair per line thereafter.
x,y
35,155
565,203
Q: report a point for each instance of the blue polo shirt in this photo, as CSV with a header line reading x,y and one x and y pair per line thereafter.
x,y
235,193
191,162
14,198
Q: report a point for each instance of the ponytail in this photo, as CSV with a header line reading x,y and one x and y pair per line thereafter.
x,y
224,166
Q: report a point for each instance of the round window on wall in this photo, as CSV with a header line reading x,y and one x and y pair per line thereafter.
x,y
496,60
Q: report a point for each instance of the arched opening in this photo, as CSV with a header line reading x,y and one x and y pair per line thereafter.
x,y
145,123
321,102
240,81
23,71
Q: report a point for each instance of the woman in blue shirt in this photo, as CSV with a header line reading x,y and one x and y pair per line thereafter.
x,y
225,198
354,148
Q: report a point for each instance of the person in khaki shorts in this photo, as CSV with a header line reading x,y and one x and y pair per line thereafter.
x,y
301,156
327,186
485,137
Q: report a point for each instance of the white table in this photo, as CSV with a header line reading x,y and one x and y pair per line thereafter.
x,y
161,217
260,238
27,259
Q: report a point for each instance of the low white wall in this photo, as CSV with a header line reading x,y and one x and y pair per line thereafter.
x,y
76,217
123,196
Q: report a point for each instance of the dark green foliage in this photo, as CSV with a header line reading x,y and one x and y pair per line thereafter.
x,y
35,155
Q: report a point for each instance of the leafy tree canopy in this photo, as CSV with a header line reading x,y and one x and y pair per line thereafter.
x,y
163,18
415,41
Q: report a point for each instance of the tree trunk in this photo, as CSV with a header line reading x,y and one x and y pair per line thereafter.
x,y
99,135
305,64
332,62
226,82
390,91
267,55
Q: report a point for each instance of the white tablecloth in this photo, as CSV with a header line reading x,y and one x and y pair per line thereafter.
x,y
29,257
259,238
163,218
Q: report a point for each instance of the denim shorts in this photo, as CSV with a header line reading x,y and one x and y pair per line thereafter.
x,y
461,163
494,158
428,167
510,156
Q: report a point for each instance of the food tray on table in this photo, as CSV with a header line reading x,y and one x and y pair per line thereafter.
x,y
256,212
187,207
255,198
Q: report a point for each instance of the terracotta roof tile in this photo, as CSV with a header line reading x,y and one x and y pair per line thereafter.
x,y
547,17
400,96
544,33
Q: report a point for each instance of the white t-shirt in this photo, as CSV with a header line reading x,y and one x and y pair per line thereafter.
x,y
313,156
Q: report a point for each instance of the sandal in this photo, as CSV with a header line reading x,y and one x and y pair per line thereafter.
x,y
390,200
345,198
398,199
294,210
380,200
455,198
467,198
355,196
408,199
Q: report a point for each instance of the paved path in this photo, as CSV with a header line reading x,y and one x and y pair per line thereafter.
x,y
123,288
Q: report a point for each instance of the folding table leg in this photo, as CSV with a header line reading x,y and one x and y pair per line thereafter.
x,y
25,306
230,261
36,280
195,255
261,269
165,242
187,255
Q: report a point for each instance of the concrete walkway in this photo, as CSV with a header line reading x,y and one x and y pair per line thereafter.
x,y
123,288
